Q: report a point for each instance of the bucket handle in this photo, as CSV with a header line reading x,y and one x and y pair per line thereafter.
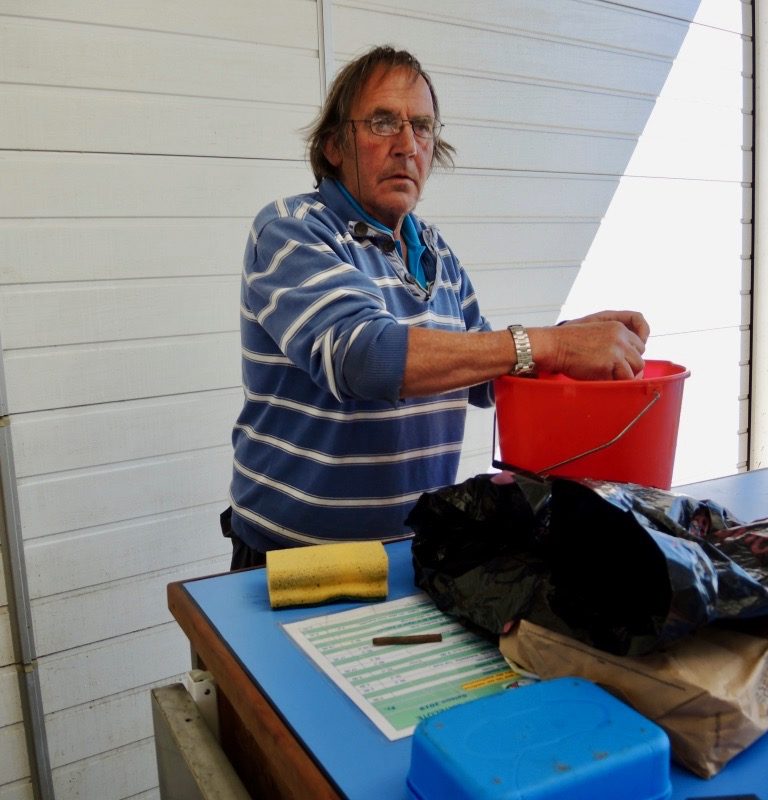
x,y
656,397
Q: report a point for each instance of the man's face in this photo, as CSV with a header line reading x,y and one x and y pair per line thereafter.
x,y
386,174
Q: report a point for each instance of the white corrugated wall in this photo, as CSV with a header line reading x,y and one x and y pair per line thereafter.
x,y
137,141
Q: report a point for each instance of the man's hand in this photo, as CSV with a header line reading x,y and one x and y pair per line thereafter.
x,y
604,346
633,320
608,345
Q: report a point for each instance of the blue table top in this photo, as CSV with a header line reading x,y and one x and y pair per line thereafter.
x,y
357,757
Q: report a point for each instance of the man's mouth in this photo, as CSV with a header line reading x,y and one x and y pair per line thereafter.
x,y
400,177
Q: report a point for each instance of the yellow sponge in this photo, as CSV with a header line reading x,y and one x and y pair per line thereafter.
x,y
303,576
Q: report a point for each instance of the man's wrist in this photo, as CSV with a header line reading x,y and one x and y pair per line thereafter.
x,y
524,363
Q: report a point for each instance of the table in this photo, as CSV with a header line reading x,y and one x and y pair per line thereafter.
x,y
290,731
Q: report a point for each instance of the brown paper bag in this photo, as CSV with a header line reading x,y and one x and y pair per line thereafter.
x,y
709,691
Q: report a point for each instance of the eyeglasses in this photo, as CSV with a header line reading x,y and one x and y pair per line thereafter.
x,y
390,125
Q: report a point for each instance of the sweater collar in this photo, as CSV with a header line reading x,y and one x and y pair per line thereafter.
x,y
409,231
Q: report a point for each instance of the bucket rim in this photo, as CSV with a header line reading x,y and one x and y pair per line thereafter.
x,y
556,378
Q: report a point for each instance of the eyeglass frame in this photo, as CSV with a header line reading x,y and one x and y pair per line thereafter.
x,y
437,126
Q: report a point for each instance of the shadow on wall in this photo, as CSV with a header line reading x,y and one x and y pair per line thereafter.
x,y
673,239
602,166
547,130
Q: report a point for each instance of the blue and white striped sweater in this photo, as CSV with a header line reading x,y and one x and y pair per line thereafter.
x,y
324,448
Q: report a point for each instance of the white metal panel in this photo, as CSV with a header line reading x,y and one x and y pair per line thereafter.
x,y
126,772
705,449
113,666
10,702
120,262
72,438
104,373
59,314
685,269
68,184
683,243
239,20
535,242
473,463
96,496
507,196
720,155
571,134
118,551
477,452
534,285
726,14
130,247
521,149
530,317
50,52
141,600
697,78
51,118
588,20
710,83
714,49
686,154
594,23
522,100
6,641
18,790
492,49
13,753
100,726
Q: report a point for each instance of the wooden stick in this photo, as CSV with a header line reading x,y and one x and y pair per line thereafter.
x,y
420,638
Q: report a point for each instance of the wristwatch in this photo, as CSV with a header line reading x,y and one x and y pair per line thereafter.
x,y
525,365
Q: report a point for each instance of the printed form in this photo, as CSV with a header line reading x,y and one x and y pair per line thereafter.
x,y
397,685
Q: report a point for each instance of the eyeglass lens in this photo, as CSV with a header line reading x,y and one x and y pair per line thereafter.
x,y
390,125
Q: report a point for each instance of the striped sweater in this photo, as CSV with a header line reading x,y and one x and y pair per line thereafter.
x,y
324,448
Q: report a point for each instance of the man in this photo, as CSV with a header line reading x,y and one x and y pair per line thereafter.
x,y
362,338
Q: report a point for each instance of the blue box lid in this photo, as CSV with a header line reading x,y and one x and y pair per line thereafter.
x,y
561,739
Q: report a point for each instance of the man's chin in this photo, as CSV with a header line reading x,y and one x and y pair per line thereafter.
x,y
400,203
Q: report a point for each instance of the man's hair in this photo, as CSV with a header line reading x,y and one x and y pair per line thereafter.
x,y
345,89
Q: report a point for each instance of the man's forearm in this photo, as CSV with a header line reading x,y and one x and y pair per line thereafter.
x,y
439,361
608,346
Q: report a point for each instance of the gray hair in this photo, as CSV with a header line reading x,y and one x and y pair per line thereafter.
x,y
345,90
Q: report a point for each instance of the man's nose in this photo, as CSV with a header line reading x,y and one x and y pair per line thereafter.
x,y
405,140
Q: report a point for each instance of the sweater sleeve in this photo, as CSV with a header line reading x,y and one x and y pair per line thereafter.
x,y
321,311
481,395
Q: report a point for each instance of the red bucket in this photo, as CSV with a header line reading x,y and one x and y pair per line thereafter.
x,y
624,431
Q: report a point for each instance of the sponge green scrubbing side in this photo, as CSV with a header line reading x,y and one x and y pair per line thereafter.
x,y
323,573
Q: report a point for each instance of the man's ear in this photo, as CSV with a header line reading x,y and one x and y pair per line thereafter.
x,y
333,152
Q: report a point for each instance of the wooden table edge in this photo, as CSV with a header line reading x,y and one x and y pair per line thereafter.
x,y
296,772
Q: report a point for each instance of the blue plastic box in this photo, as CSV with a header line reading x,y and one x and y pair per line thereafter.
x,y
563,739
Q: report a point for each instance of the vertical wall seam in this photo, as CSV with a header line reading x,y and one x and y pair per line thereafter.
x,y
325,44
748,318
757,436
20,610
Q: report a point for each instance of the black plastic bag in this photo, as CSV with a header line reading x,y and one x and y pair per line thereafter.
x,y
621,567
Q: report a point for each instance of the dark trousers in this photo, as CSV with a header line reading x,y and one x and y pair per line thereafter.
x,y
243,556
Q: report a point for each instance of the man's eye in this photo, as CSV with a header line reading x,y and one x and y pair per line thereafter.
x,y
385,123
422,126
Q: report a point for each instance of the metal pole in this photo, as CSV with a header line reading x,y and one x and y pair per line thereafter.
x,y
325,44
758,437
20,609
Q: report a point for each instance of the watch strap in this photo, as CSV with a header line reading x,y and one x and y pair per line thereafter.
x,y
525,364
